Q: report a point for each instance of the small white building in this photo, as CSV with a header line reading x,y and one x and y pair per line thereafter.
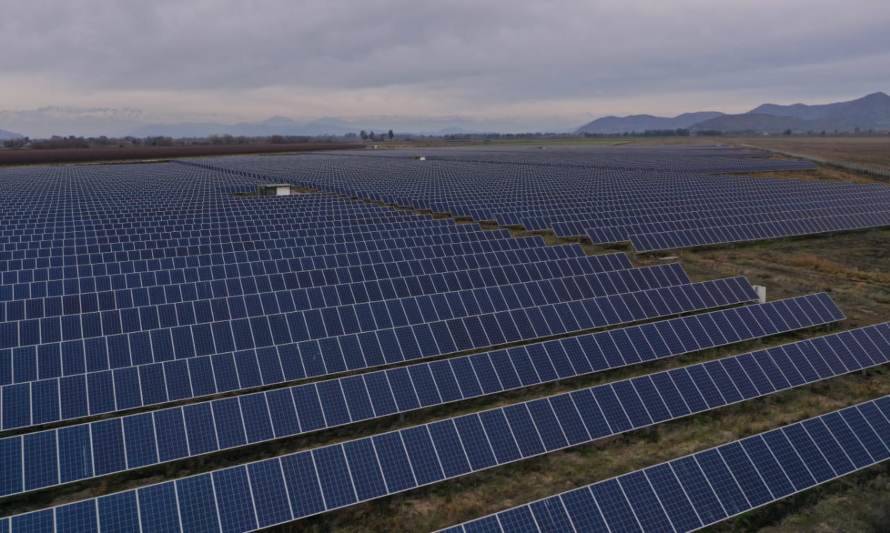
x,y
274,189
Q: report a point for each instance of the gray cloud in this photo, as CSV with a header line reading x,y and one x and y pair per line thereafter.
x,y
544,61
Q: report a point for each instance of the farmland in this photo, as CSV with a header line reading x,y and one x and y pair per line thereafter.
x,y
323,295
82,155
872,150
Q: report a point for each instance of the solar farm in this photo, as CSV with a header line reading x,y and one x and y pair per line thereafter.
x,y
483,339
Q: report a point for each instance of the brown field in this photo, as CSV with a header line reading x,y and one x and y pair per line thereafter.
x,y
853,267
865,150
870,154
84,155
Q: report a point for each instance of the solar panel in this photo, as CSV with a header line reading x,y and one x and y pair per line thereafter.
x,y
192,374
110,318
171,434
713,485
129,287
343,474
129,264
757,231
656,194
413,276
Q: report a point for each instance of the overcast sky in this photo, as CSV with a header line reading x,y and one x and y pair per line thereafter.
x,y
529,63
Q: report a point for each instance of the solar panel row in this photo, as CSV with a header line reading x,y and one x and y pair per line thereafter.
x,y
81,324
619,229
760,231
24,270
65,455
606,195
293,486
280,293
92,392
61,250
279,272
312,296
710,486
96,255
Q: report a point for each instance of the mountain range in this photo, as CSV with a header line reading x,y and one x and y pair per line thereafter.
x,y
94,122
640,123
8,135
871,112
279,125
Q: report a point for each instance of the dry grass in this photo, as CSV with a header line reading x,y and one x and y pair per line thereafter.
x,y
861,150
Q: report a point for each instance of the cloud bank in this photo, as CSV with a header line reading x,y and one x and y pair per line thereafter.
x,y
515,63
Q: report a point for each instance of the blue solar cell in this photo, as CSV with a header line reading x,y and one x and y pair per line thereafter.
x,y
548,425
158,508
234,500
256,416
550,515
118,512
79,516
197,505
108,446
365,469
200,428
229,422
11,475
647,508
446,382
171,433
422,455
139,440
75,453
614,506
36,521
333,475
745,474
16,401
583,510
569,419
394,462
449,448
673,498
301,478
866,433
503,444
767,466
45,402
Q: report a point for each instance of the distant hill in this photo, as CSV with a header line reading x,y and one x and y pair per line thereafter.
x,y
868,112
271,126
318,127
871,112
759,122
8,135
47,121
641,123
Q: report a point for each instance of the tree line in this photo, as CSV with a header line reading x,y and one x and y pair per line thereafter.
x,y
375,137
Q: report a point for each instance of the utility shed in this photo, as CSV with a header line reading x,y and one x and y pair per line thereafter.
x,y
274,189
